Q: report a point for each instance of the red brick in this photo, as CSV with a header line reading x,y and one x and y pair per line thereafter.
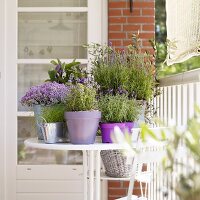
x,y
115,12
119,4
120,192
143,4
127,42
146,43
140,20
148,36
116,42
120,20
117,35
150,27
115,27
136,12
115,184
148,12
131,27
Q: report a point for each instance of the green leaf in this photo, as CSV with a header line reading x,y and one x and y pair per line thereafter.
x,y
54,62
52,75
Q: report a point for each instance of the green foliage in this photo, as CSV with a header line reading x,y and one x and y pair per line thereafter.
x,y
64,72
119,108
54,113
188,185
128,71
81,98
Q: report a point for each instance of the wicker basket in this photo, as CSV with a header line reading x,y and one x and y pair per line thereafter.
x,y
116,164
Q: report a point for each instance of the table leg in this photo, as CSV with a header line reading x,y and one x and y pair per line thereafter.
x,y
98,167
85,175
91,174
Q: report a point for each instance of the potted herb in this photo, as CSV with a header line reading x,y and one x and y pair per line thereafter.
x,y
119,111
46,94
129,70
72,72
82,115
53,125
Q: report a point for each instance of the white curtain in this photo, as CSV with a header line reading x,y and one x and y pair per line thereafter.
x,y
183,30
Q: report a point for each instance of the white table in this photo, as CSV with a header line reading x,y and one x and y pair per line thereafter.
x,y
92,152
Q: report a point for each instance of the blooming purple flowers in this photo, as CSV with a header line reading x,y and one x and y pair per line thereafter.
x,y
49,93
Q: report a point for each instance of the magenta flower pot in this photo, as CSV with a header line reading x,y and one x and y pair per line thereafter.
x,y
82,126
108,128
130,125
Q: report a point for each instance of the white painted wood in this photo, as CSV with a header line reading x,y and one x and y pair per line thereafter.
x,y
35,143
45,186
49,196
47,61
104,14
25,114
184,104
11,98
190,100
49,172
91,175
52,9
85,172
98,166
2,100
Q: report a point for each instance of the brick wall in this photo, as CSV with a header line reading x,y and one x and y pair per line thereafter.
x,y
122,24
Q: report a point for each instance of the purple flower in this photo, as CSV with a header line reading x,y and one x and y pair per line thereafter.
x,y
45,94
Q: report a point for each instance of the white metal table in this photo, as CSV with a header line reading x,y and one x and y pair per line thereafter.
x,y
92,152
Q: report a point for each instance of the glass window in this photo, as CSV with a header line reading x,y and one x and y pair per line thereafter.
x,y
52,35
52,3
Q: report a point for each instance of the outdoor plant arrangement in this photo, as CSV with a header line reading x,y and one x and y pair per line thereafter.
x,y
187,185
82,115
127,71
52,123
119,111
46,94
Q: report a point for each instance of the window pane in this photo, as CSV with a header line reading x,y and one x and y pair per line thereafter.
x,y
52,35
52,3
28,156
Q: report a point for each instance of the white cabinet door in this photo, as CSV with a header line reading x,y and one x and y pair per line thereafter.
x,y
37,31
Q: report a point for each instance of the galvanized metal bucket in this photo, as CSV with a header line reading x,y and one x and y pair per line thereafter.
x,y
54,132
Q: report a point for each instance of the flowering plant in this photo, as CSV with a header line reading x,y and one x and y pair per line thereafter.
x,y
129,71
45,94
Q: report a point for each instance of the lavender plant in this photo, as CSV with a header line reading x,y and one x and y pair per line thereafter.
x,y
129,71
45,94
119,108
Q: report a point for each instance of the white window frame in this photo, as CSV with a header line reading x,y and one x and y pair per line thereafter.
x,y
97,32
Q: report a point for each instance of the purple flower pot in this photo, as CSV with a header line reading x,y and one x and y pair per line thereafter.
x,y
108,128
130,125
82,126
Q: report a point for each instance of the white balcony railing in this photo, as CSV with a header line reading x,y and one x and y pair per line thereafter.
x,y
179,94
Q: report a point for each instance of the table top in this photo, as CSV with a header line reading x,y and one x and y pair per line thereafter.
x,y
35,143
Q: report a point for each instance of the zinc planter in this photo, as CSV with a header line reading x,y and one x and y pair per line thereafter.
x,y
53,132
82,126
37,114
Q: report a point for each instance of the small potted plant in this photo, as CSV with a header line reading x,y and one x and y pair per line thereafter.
x,y
119,111
53,125
82,115
46,94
